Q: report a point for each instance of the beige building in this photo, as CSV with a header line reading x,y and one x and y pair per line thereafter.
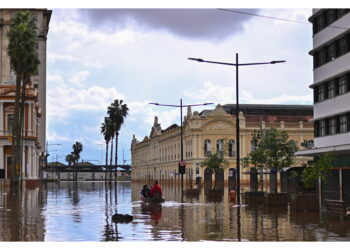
x,y
35,113
157,155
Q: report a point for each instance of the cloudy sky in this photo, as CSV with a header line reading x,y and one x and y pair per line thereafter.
x,y
140,55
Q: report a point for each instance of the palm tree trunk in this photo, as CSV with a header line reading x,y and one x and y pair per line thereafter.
x,y
106,160
116,155
111,161
21,131
14,158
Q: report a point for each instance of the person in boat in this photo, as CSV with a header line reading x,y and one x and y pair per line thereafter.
x,y
145,192
156,190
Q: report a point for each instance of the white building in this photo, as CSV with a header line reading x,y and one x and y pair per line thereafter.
x,y
331,85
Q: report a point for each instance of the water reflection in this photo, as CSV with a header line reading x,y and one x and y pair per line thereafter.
x,y
82,211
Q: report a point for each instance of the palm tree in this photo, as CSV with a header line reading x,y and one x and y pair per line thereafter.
x,y
70,160
117,113
107,131
24,61
77,148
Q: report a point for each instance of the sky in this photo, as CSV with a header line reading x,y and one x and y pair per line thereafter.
x,y
95,56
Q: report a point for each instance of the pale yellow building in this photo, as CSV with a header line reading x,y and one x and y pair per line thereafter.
x,y
157,155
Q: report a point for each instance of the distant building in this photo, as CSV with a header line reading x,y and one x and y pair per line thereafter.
x,y
331,87
35,113
157,155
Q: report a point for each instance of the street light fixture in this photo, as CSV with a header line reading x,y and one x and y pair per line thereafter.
x,y
182,163
237,65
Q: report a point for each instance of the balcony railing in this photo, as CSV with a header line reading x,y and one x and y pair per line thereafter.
x,y
26,133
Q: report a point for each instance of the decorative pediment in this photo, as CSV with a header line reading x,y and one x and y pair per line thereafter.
x,y
219,111
219,125
7,92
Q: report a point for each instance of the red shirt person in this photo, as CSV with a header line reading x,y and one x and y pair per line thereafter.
x,y
156,191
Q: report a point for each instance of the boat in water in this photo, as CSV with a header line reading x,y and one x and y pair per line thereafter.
x,y
152,200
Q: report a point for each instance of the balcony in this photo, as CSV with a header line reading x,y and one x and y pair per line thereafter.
x,y
27,133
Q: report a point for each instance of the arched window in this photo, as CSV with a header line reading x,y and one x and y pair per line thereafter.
x,y
231,148
220,147
207,147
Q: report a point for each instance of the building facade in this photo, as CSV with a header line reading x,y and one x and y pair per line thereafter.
x,y
35,113
331,87
157,155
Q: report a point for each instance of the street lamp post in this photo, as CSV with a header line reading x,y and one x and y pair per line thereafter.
x,y
182,164
237,65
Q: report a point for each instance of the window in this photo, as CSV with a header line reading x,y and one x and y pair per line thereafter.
x,y
321,93
331,52
321,22
332,125
331,16
343,124
331,88
322,129
343,45
207,147
220,147
231,148
322,57
9,122
342,88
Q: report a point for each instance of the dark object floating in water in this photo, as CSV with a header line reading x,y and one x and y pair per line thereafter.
x,y
152,200
122,218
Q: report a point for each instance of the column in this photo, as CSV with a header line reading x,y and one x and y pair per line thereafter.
x,y
1,118
2,163
30,117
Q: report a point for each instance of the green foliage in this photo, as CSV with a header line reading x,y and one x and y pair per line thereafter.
x,y
77,148
273,149
321,168
215,162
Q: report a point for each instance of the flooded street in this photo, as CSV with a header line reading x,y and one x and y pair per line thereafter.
x,y
82,211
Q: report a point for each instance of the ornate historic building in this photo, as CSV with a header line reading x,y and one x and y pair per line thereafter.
x,y
157,155
35,107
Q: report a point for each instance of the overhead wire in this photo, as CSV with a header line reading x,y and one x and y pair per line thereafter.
x,y
275,18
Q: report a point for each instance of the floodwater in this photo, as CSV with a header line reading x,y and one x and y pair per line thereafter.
x,y
82,211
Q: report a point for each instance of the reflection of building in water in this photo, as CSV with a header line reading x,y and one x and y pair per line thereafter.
x,y
21,217
196,220
210,131
35,104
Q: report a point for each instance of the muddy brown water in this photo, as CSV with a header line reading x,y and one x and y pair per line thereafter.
x,y
82,211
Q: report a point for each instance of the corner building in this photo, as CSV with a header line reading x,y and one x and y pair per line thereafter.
x,y
34,131
157,155
331,87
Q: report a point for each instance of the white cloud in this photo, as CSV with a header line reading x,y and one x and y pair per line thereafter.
x,y
79,77
53,57
223,95
63,100
211,92
248,97
53,136
54,78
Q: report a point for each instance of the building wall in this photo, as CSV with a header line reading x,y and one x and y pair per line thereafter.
x,y
157,156
43,18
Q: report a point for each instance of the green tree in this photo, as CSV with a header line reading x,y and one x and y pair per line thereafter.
x,y
215,162
273,150
117,113
70,159
320,168
24,62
